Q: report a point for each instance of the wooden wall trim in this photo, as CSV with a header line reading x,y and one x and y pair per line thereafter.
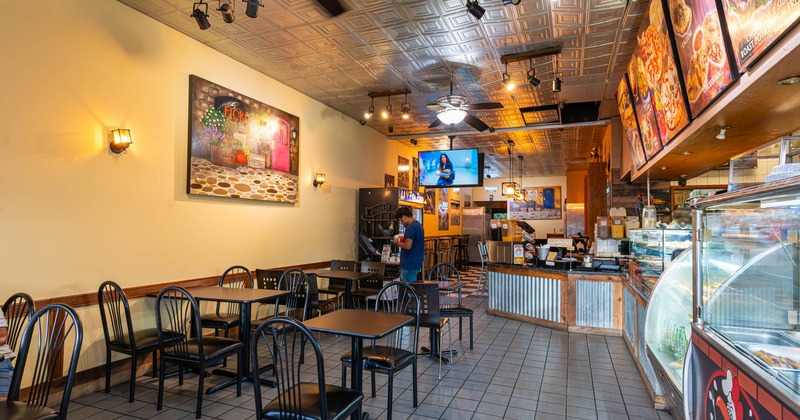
x,y
135,292
523,271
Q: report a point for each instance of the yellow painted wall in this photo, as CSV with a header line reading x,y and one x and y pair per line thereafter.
x,y
430,222
73,214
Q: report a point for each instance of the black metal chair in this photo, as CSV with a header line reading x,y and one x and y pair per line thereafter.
x,y
369,288
120,336
267,279
18,310
295,305
337,287
483,252
236,277
53,330
451,306
177,312
430,316
397,350
284,340
316,305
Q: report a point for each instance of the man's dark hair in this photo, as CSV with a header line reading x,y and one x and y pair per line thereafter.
x,y
403,211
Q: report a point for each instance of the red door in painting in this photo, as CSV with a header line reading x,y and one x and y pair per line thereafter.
x,y
280,151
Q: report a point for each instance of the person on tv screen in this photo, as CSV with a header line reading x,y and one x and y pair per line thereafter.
x,y
446,173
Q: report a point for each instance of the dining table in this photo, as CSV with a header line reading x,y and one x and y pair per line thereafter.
x,y
348,276
358,325
245,298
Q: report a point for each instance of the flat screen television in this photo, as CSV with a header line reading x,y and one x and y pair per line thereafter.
x,y
451,168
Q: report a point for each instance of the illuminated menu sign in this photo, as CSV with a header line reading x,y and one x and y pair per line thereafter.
x,y
753,25
642,102
629,127
701,49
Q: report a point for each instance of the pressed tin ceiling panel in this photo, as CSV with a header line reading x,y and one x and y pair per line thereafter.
x,y
422,45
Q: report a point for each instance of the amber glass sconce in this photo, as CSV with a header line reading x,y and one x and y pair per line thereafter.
x,y
121,140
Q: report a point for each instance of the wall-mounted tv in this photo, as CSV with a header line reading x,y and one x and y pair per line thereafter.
x,y
451,168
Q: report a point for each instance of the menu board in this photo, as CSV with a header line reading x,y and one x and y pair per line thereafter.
x,y
662,73
642,103
755,24
701,50
629,128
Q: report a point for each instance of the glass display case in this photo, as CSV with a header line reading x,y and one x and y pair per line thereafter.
x,y
653,248
747,280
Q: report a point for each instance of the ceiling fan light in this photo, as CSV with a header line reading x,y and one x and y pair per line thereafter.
x,y
451,116
475,9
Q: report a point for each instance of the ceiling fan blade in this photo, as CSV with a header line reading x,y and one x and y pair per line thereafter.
x,y
476,123
437,122
486,105
332,6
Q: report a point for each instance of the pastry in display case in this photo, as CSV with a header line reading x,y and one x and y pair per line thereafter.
x,y
668,326
747,297
653,248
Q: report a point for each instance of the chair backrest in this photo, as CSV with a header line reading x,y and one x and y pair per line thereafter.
x,y
284,339
483,251
373,267
18,311
343,265
313,294
177,313
429,312
115,314
444,272
236,277
296,304
50,333
463,241
267,279
399,297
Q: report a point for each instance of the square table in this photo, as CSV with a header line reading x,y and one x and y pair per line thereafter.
x,y
245,298
358,325
349,278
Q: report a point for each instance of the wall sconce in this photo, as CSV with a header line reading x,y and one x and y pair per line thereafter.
x,y
319,179
121,140
294,133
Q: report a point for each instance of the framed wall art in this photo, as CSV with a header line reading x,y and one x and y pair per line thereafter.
x,y
402,172
544,203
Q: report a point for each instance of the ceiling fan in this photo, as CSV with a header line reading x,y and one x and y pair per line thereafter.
x,y
452,109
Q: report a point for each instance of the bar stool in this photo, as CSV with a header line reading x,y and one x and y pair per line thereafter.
x,y
460,244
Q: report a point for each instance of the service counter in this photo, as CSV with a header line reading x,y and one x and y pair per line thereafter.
x,y
572,301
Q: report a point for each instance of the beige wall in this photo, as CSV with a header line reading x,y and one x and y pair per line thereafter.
x,y
73,214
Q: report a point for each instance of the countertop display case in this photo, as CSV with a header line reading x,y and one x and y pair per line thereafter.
x,y
746,301
653,248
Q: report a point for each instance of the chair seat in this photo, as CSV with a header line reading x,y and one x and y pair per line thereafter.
x,y
15,410
340,400
212,320
383,357
213,347
428,323
146,340
455,310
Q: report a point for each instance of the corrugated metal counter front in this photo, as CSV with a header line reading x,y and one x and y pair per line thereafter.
x,y
564,300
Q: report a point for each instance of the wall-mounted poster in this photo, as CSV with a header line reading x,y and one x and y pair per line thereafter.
x,y
629,127
240,147
429,205
544,203
388,181
662,73
415,174
402,172
701,49
444,220
455,213
443,194
753,25
645,114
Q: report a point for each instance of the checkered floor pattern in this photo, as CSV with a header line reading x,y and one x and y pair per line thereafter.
x,y
472,276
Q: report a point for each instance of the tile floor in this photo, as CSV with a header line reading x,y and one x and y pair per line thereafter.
x,y
515,371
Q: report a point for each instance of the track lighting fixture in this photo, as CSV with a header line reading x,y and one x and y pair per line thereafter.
x,y
385,114
556,85
371,111
475,9
511,2
252,8
722,131
532,79
201,15
406,108
507,80
227,10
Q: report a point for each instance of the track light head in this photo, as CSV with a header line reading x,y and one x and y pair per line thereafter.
x,y
406,111
532,79
510,85
252,8
370,112
722,131
556,85
201,15
227,12
475,9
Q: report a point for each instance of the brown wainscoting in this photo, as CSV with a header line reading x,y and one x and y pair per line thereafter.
x,y
90,299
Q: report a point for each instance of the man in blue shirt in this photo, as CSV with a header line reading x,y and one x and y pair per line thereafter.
x,y
412,246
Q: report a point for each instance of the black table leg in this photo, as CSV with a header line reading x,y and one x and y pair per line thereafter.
x,y
347,286
433,350
357,371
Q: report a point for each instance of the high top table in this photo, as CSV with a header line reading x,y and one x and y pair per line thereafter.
x,y
358,325
349,278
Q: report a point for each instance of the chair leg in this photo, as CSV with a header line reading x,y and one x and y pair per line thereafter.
x,y
108,370
470,333
133,377
344,375
225,360
240,371
180,374
201,378
155,360
439,337
414,380
161,373
391,388
373,386
460,323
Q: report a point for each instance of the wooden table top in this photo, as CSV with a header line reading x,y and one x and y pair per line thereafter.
x,y
446,285
229,294
358,323
339,274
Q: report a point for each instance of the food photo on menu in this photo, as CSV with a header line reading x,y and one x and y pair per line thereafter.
x,y
629,126
642,102
753,25
701,50
662,74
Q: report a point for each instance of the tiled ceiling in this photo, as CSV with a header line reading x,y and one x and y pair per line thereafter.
x,y
423,45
